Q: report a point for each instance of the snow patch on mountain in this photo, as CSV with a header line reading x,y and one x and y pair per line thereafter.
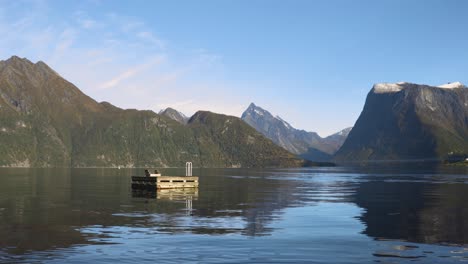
x,y
286,124
258,112
396,87
453,85
388,87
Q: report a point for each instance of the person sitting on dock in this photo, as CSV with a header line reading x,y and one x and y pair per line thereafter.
x,y
156,172
147,173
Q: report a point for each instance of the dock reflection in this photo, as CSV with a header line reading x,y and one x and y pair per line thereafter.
x,y
168,194
187,195
177,194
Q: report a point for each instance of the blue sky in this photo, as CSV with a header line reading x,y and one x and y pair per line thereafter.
x,y
310,62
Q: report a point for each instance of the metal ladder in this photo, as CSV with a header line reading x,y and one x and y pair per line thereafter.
x,y
188,168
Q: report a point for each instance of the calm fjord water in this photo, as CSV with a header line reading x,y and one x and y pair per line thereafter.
x,y
315,215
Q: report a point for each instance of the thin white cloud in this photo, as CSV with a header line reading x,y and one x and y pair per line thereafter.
x,y
100,61
23,23
206,57
65,40
87,23
165,79
150,37
130,72
129,26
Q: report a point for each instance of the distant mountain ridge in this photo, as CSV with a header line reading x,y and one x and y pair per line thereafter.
x,y
409,121
174,115
308,145
46,121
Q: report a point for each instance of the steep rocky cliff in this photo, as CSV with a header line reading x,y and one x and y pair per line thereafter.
x,y
403,121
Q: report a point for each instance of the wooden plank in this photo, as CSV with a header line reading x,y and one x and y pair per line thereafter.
x,y
177,178
164,182
174,185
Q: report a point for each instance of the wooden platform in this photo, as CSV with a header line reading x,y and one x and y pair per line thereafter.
x,y
164,182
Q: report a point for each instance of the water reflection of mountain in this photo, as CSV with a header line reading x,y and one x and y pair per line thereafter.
x,y
415,211
51,209
32,213
250,197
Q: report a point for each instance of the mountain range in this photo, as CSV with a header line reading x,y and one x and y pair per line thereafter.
x,y
406,121
308,145
46,121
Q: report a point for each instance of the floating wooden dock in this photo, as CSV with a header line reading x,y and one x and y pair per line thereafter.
x,y
164,182
157,181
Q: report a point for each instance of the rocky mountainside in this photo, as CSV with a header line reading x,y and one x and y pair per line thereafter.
x,y
336,140
409,121
174,115
45,121
308,145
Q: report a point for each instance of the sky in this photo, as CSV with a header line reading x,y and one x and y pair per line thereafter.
x,y
310,62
